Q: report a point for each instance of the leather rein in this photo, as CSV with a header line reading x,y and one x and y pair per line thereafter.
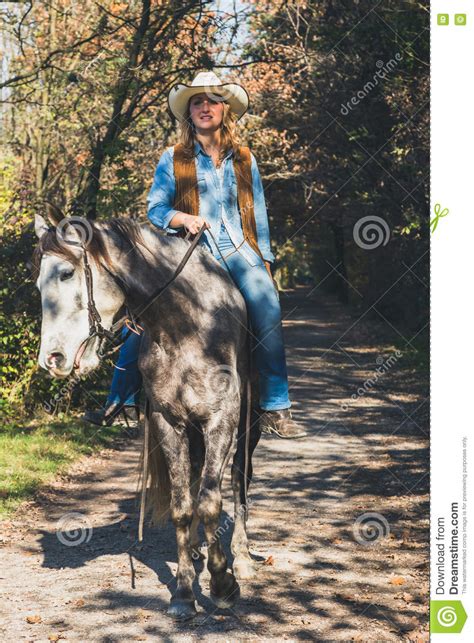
x,y
96,329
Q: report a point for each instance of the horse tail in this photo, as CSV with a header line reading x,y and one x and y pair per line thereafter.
x,y
248,431
159,493
154,469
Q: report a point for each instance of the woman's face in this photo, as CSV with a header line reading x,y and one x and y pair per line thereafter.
x,y
205,113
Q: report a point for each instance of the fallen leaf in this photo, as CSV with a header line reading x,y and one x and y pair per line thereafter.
x,y
80,602
269,561
397,580
418,638
106,585
347,597
32,620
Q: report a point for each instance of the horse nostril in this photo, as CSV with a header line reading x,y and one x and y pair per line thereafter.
x,y
55,360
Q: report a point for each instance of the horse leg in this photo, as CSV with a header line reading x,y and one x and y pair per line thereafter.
x,y
243,565
218,437
194,542
174,443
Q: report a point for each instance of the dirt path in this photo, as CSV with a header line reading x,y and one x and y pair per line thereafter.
x,y
364,455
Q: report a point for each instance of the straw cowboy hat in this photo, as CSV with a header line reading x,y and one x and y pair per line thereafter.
x,y
207,82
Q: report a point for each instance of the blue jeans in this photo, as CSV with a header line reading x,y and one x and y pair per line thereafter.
x,y
126,384
264,313
268,348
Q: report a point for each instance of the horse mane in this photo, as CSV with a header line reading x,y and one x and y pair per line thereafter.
x,y
127,231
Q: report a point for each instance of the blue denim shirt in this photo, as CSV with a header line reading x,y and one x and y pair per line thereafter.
x,y
216,205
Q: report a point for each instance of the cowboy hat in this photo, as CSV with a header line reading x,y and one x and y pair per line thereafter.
x,y
207,82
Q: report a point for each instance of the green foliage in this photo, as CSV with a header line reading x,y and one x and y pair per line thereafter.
x,y
32,454
293,264
19,328
24,387
342,162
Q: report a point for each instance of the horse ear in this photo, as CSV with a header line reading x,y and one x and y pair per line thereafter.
x,y
68,233
65,230
41,227
54,213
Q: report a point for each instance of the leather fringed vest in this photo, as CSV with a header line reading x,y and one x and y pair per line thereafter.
x,y
187,191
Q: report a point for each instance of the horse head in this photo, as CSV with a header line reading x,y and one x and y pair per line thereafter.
x,y
60,271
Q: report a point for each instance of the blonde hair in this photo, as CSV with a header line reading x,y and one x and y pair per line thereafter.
x,y
228,134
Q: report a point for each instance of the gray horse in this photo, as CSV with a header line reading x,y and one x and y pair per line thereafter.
x,y
195,365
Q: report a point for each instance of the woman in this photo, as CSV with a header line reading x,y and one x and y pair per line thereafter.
x,y
209,180
124,395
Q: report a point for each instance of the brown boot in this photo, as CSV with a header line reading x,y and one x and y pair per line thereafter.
x,y
281,424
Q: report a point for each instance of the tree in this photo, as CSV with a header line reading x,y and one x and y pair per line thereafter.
x,y
343,135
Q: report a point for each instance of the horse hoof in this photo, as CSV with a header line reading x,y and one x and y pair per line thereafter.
x,y
227,594
182,609
244,568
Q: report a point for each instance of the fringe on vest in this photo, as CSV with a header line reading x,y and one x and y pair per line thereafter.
x,y
187,191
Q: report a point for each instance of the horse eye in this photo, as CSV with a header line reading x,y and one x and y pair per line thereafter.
x,y
67,274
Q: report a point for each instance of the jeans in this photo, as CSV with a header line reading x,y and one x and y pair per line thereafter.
x,y
126,384
268,349
263,307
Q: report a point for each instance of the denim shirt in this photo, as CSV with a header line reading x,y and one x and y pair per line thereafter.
x,y
216,204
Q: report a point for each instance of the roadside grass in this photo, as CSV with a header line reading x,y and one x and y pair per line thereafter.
x,y
33,453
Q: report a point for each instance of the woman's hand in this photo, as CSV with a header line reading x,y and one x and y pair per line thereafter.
x,y
194,224
191,223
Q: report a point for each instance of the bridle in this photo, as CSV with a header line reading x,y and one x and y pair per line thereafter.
x,y
96,329
95,321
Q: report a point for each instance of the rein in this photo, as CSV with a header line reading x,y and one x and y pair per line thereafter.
x,y
96,328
